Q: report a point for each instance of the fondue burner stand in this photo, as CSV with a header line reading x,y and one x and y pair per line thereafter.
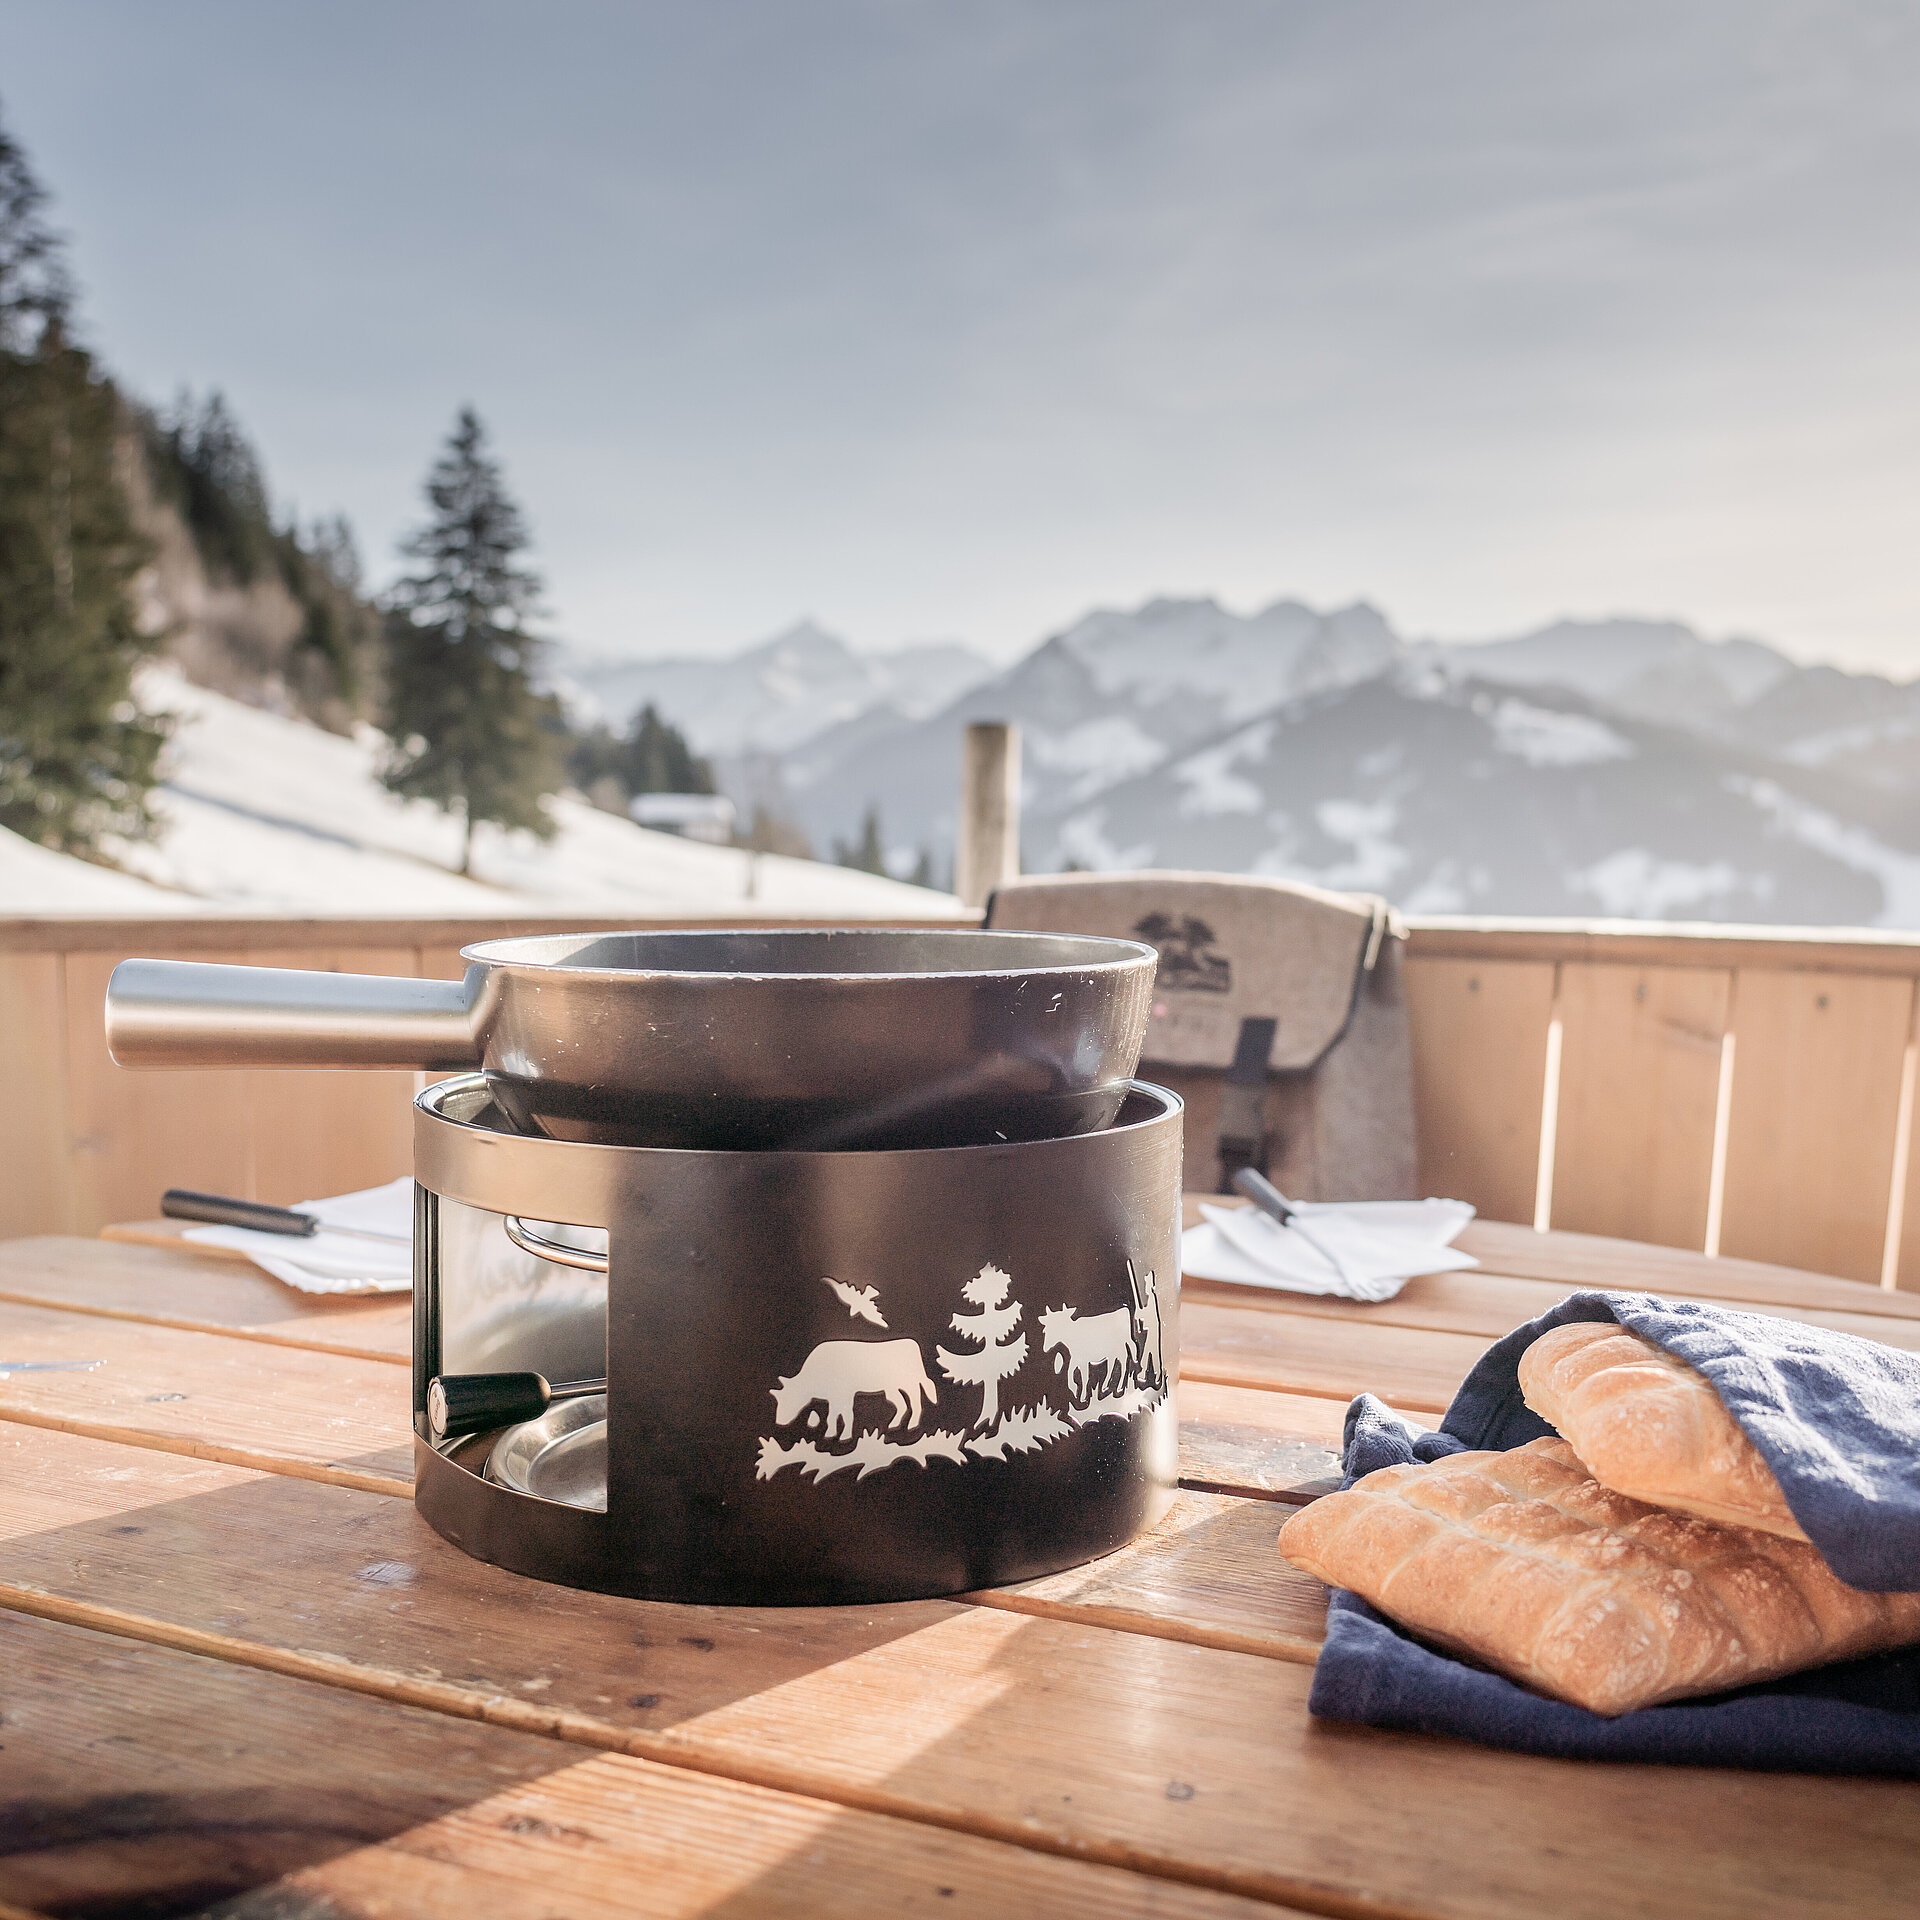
x,y
798,1378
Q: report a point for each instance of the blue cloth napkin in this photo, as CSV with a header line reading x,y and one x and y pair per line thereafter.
x,y
1836,1418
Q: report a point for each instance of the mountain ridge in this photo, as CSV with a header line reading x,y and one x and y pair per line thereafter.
x,y
1181,732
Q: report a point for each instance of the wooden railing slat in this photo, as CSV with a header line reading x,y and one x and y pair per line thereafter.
x,y
316,1134
1906,1265
136,1134
36,1159
1479,1061
1645,943
1816,1090
1639,1069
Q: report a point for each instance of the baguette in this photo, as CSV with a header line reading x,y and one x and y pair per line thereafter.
x,y
1524,1562
1646,1424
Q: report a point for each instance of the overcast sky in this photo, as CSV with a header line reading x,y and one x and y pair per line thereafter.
x,y
955,318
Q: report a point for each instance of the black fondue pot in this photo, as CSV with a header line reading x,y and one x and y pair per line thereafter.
x,y
818,1038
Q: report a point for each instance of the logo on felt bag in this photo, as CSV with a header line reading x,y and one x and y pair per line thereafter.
x,y
1190,962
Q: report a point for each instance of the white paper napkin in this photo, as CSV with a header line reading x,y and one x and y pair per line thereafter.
x,y
334,1262
1381,1245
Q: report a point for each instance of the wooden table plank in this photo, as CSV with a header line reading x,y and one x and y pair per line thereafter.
x,y
1271,1457
192,1289
118,1281
1245,1440
1489,1305
206,1416
1592,1260
1285,1352
322,1415
141,1779
1209,1574
1180,1760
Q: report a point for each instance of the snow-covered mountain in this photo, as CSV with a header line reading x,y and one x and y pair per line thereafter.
x,y
1110,698
1659,669
1616,766
268,814
1456,795
774,696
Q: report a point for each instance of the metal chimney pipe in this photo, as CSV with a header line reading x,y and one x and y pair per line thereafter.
x,y
987,852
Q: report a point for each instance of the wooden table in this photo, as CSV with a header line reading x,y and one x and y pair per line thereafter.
x,y
234,1662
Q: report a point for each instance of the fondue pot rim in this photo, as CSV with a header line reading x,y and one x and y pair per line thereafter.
x,y
521,953
433,1123
578,1182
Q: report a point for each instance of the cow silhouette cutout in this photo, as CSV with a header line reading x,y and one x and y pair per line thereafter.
x,y
1101,1344
837,1372
1146,1327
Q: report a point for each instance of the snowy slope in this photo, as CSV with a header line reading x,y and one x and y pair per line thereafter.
x,y
35,880
776,695
273,815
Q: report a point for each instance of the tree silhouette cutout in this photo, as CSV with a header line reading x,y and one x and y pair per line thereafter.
x,y
992,1326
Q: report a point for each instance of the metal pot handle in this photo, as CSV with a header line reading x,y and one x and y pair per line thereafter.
x,y
537,1244
185,1013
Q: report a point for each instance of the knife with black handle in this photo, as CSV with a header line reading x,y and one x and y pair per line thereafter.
x,y
178,1203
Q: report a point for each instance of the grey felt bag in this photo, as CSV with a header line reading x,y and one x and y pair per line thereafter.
x,y
1279,1016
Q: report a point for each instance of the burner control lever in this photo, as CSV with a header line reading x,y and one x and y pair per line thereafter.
x,y
460,1403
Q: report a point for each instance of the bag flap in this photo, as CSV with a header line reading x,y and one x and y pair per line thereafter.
x,y
1231,948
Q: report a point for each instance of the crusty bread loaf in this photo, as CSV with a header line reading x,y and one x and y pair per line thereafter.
x,y
1524,1562
1646,1424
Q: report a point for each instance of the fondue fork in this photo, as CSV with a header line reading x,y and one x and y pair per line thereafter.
x,y
1275,1204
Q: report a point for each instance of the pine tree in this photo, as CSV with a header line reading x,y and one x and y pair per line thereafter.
x,y
659,760
470,729
869,856
992,1326
651,757
201,463
210,469
77,758
322,572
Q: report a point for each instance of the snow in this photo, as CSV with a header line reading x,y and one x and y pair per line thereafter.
x,y
1543,738
268,814
1096,753
1822,749
1183,649
37,880
1635,884
1084,839
1897,872
1212,787
1375,862
1605,659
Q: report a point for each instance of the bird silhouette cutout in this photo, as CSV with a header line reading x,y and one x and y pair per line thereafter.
x,y
862,1302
